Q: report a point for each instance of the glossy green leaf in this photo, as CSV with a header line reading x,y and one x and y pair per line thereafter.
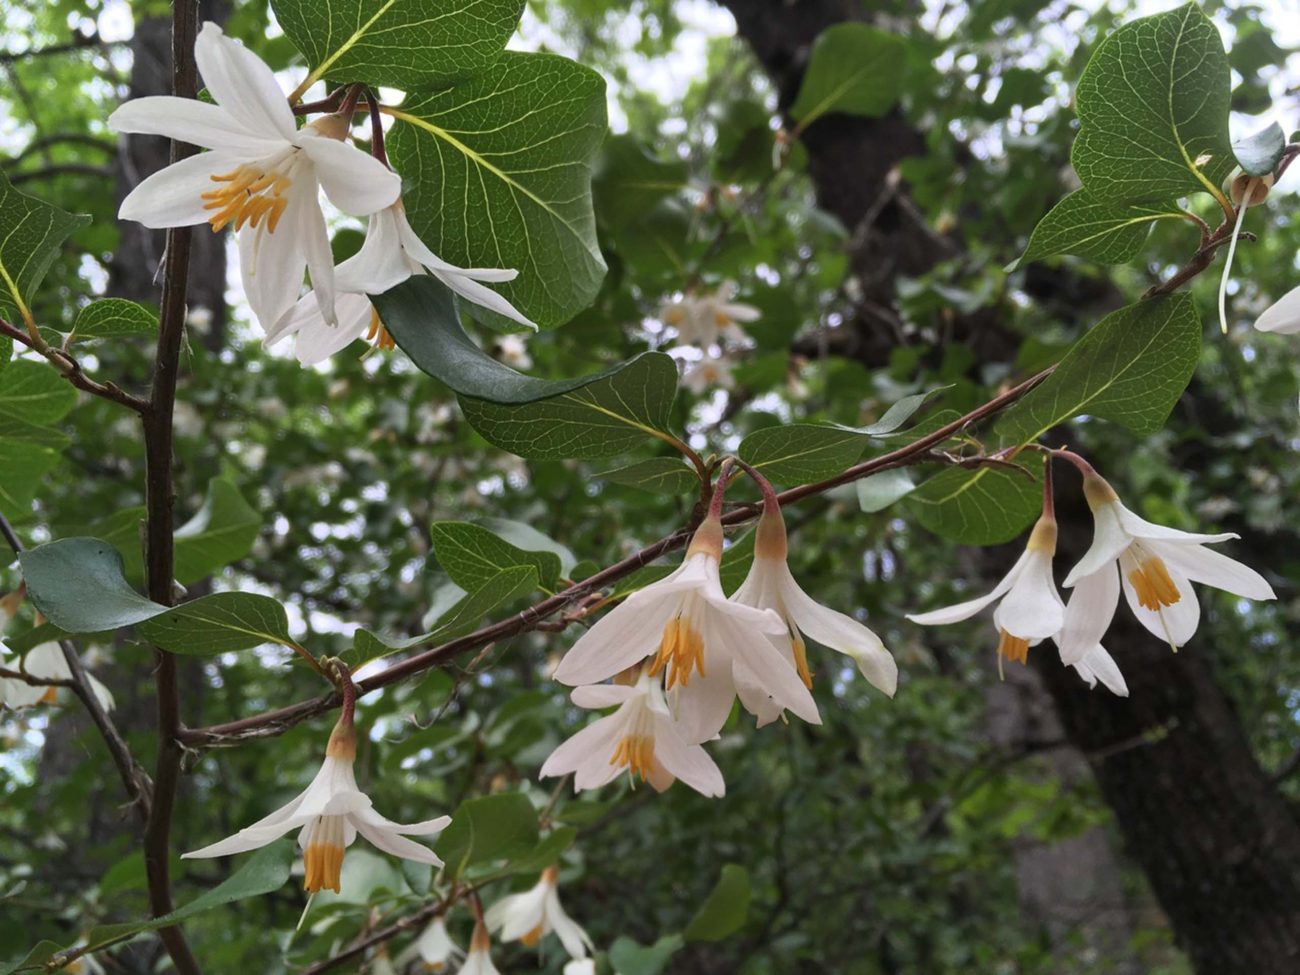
x,y
660,475
549,849
401,43
530,539
985,506
33,232
724,912
488,829
630,958
1153,110
854,69
221,532
605,416
498,173
15,430
113,318
35,393
629,183
799,453
473,556
23,467
1088,226
1259,154
77,583
223,622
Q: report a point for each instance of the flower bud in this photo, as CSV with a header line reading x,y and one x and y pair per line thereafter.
x,y
1235,186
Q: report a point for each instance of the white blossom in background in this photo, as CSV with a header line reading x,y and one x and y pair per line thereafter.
x,y
479,959
434,948
329,815
533,914
262,175
707,319
709,373
513,351
45,661
580,966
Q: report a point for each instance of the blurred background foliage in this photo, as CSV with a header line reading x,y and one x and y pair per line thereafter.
x,y
907,836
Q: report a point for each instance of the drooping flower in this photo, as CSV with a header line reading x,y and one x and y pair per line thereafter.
x,y
1283,315
700,640
707,318
641,736
479,959
533,914
769,585
329,814
390,254
580,966
261,175
45,661
1155,566
707,374
1030,608
434,949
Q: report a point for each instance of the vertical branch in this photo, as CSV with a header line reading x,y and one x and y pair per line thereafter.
x,y
159,497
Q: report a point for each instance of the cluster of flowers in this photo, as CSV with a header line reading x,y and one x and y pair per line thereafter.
x,y
1154,565
262,176
709,320
680,652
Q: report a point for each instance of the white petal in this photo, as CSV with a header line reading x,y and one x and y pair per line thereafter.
x,y
754,698
1098,665
479,294
1141,528
1032,609
703,705
381,263
841,632
571,935
596,740
317,340
597,696
775,674
1089,613
271,267
249,838
396,844
1215,569
1108,541
738,312
1175,624
195,122
964,611
241,83
518,914
690,763
627,633
173,197
1283,315
355,182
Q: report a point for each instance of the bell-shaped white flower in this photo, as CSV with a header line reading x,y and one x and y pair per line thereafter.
x,y
707,318
44,661
433,948
1283,315
390,254
1156,567
261,175
479,959
641,736
329,814
769,585
580,966
707,374
533,914
1029,607
703,642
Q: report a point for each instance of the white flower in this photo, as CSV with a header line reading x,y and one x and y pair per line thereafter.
x,y
580,966
513,351
700,639
1030,610
769,585
390,254
708,373
381,965
433,947
330,813
535,913
1283,315
43,662
705,319
479,960
262,174
641,736
1157,565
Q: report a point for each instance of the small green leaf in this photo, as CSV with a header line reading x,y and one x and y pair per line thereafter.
x,y
898,413
223,622
35,393
473,556
985,506
659,475
408,44
34,233
879,491
487,829
498,173
222,532
1087,226
798,453
854,69
630,958
1259,154
77,583
113,318
724,912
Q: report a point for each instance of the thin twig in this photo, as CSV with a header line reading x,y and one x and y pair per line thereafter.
x,y
72,370
414,920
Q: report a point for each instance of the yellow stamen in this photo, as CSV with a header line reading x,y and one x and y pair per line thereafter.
x,y
378,334
801,660
683,649
721,319
532,937
637,753
249,196
324,863
1153,585
51,696
1012,647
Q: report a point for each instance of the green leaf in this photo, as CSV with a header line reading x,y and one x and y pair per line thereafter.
x,y
898,413
879,491
854,69
23,467
222,532
798,453
77,583
35,393
1259,154
736,561
1088,226
34,232
473,556
980,507
15,430
113,318
223,622
630,958
487,829
1153,110
548,850
629,183
659,475
401,43
498,173
723,913
1130,368
607,415
529,539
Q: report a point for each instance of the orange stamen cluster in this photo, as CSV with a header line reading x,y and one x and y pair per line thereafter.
x,y
378,334
250,195
324,865
682,651
1012,647
1153,585
637,753
531,938
801,659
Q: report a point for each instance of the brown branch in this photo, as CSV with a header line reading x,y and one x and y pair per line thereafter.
x,y
414,920
79,42
72,371
159,498
271,723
